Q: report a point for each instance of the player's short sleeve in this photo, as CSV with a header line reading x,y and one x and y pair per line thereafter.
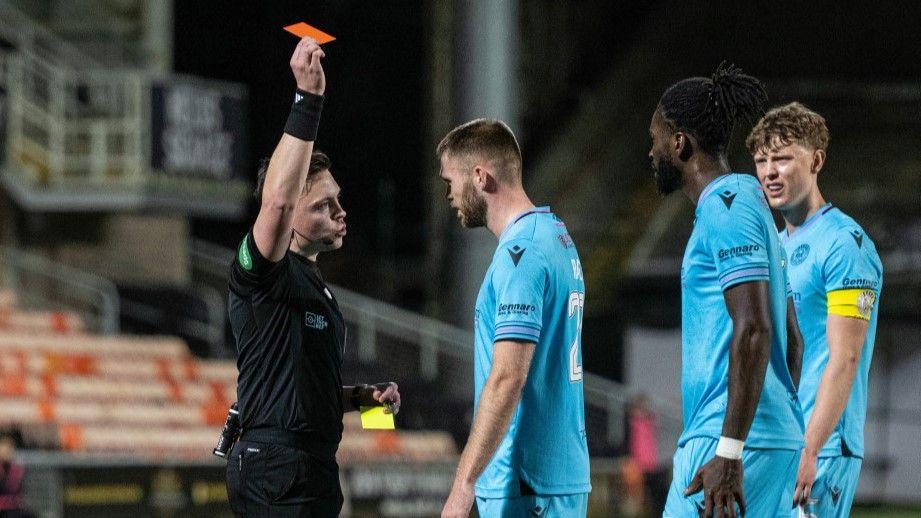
x,y
520,280
852,274
250,269
737,236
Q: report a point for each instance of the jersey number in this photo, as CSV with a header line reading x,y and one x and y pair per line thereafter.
x,y
576,309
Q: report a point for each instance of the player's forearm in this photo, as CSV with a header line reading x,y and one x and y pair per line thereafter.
x,y
831,399
497,405
748,359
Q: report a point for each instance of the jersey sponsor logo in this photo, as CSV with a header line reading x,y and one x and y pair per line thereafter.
x,y
516,309
865,302
315,321
516,252
859,283
858,237
738,251
799,255
727,197
243,255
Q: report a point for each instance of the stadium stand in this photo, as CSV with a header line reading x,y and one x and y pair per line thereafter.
x,y
139,396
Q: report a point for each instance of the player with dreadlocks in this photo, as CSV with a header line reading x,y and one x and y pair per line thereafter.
x,y
738,372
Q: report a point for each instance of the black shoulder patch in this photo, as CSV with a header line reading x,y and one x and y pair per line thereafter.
x,y
516,252
858,237
727,198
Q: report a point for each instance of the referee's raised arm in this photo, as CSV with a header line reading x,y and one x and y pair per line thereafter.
x,y
287,169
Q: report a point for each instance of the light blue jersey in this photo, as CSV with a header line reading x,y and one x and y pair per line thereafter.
x,y
830,253
734,241
534,291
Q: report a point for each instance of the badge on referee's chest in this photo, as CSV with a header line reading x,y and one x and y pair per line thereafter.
x,y
315,321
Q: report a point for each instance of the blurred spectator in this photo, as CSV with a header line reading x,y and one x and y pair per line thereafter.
x,y
640,470
11,474
643,443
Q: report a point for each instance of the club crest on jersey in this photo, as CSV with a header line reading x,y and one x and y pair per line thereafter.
x,y
799,255
865,302
315,321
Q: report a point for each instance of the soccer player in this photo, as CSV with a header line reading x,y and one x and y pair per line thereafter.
x,y
836,277
290,334
738,390
526,454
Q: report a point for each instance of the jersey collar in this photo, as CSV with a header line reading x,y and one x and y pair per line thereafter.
x,y
809,221
536,210
712,185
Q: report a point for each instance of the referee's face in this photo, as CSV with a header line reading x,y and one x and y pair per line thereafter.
x,y
319,216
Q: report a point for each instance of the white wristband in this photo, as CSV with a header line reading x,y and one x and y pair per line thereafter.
x,y
729,448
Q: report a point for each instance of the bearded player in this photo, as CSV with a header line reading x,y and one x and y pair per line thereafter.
x,y
836,277
527,453
743,425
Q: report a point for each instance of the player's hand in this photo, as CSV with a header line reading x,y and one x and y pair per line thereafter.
x,y
387,394
308,71
721,481
460,501
805,478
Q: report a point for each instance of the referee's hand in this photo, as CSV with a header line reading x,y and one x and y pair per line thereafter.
x,y
388,394
308,71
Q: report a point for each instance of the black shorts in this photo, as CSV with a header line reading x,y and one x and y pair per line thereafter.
x,y
281,481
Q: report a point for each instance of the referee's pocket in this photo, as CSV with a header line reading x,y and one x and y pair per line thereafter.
x,y
283,467
234,483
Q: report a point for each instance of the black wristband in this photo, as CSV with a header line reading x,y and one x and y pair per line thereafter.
x,y
356,396
304,119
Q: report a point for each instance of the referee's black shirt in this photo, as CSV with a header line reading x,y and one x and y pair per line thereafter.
x,y
290,338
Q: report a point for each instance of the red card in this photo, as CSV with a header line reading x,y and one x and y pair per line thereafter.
x,y
302,30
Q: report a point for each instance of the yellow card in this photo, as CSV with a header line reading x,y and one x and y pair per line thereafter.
x,y
374,418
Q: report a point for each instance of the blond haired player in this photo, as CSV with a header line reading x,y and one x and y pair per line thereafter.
x,y
836,277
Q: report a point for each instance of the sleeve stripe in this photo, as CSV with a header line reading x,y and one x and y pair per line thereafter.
x,y
517,330
748,272
518,323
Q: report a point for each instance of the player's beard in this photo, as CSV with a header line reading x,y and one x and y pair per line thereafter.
x,y
668,177
473,207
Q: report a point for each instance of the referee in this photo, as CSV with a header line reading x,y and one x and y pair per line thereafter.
x,y
289,332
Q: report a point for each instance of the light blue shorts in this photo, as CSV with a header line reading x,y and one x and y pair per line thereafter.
x,y
534,506
765,482
833,491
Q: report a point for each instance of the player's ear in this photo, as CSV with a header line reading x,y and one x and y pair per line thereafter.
x,y
818,160
683,147
483,178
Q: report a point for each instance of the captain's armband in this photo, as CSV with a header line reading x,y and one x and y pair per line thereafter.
x,y
854,303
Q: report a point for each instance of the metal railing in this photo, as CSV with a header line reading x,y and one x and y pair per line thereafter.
x,y
403,341
77,129
40,282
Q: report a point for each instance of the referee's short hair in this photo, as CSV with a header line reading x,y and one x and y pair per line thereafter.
x,y
491,139
319,162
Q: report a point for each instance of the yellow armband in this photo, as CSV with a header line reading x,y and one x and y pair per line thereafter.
x,y
856,303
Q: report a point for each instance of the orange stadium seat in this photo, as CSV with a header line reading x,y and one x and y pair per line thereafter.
x,y
139,395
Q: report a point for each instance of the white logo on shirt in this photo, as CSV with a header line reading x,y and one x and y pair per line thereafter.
x,y
315,321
